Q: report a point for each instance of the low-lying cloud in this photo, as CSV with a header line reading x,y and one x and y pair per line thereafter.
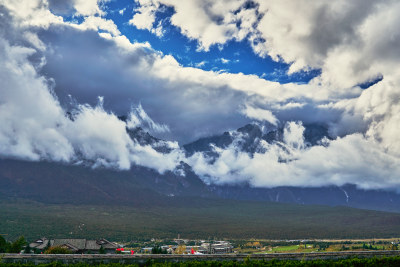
x,y
353,159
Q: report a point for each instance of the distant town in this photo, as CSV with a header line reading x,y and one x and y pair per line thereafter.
x,y
183,246
103,246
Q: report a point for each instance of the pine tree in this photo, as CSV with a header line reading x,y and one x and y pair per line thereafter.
x,y
17,245
27,249
3,245
102,250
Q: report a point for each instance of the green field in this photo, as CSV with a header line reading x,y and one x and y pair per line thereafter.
x,y
205,219
290,249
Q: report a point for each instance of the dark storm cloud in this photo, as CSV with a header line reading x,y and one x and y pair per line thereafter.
x,y
85,66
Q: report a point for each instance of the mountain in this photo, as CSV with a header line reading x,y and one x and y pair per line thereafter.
x,y
76,200
193,218
144,138
249,139
347,195
51,182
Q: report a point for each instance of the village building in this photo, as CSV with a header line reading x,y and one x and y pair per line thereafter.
x,y
218,247
40,244
75,245
147,250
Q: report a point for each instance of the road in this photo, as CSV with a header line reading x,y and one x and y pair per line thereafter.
x,y
143,258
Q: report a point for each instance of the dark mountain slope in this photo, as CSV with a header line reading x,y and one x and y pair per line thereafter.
x,y
347,195
196,219
51,182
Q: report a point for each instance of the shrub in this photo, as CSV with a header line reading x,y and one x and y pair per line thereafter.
x,y
57,250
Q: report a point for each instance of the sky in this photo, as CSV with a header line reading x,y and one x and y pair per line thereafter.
x,y
183,70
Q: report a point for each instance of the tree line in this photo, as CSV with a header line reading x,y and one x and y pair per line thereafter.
x,y
13,247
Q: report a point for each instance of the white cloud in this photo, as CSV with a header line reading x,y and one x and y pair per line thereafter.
x,y
98,23
88,7
209,22
351,42
33,13
35,127
201,64
139,118
190,101
260,114
34,40
293,135
145,16
30,129
224,60
353,159
97,134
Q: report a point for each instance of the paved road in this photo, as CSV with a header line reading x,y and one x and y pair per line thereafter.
x,y
142,258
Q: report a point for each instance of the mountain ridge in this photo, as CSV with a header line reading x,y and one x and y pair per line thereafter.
x,y
53,182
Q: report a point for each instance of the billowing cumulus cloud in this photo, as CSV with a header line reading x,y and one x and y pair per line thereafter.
x,y
49,61
348,40
209,22
352,159
192,102
36,127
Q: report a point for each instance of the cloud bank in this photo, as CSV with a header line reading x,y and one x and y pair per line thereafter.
x,y
352,159
49,60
